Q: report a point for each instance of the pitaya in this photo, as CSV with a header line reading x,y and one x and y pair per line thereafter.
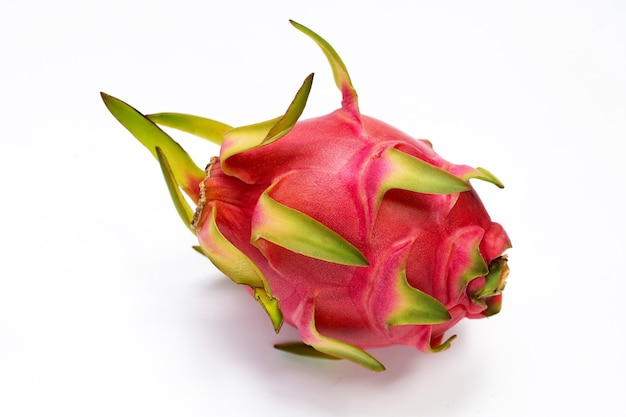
x,y
346,228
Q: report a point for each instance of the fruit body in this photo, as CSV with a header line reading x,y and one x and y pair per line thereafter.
x,y
343,226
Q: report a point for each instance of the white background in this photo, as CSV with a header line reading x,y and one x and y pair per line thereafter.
x,y
106,311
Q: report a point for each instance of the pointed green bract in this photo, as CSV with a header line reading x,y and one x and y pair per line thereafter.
x,y
495,279
182,207
271,307
443,346
347,351
241,139
185,171
202,127
302,349
199,249
229,259
293,113
406,172
483,174
305,322
340,72
299,233
414,306
476,268
240,269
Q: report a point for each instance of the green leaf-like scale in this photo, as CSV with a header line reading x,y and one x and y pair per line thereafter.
x,y
182,207
186,172
293,113
208,129
299,233
302,349
340,72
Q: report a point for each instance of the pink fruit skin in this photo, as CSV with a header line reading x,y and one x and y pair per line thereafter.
x,y
330,169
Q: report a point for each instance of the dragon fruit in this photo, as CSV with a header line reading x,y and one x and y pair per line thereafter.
x,y
342,226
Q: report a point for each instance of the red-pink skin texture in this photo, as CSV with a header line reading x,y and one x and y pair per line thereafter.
x,y
328,168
